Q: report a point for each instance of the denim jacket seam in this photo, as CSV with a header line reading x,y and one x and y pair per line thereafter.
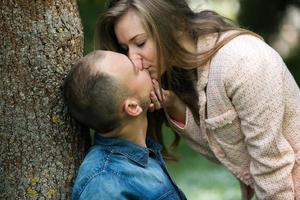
x,y
96,173
165,195
104,168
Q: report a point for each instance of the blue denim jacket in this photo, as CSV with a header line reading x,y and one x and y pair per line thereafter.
x,y
119,169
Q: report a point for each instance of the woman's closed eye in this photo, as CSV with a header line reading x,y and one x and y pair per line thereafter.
x,y
141,44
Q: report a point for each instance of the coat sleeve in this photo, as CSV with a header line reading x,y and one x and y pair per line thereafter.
x,y
255,84
190,126
193,134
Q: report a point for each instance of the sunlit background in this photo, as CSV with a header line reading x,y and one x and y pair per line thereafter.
x,y
287,37
278,21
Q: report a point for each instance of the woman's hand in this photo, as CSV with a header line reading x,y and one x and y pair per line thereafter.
x,y
169,100
160,100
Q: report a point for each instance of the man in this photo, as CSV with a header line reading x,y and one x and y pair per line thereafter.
x,y
105,91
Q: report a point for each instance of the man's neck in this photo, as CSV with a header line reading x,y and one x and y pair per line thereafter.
x,y
135,130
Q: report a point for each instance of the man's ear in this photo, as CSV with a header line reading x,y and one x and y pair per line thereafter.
x,y
132,107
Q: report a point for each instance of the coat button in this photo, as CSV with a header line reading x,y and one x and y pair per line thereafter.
x,y
221,154
247,176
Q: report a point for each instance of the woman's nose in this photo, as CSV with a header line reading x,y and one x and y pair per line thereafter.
x,y
137,61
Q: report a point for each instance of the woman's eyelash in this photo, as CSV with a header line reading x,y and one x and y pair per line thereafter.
x,y
141,44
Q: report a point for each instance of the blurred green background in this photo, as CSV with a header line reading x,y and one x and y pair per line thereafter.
x,y
279,23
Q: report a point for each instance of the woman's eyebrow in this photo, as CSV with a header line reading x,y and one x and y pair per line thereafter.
x,y
133,38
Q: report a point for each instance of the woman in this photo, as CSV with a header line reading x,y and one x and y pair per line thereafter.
x,y
225,91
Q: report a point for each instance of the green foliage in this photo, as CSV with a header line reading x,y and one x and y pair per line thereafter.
x,y
293,62
199,178
265,18
89,11
262,17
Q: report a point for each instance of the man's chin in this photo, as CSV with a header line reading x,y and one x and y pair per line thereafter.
x,y
146,104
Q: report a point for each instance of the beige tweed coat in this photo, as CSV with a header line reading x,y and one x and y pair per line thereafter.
x,y
249,118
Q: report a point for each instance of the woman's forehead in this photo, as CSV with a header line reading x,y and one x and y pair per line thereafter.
x,y
128,26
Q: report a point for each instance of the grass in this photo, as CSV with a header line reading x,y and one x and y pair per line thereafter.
x,y
201,179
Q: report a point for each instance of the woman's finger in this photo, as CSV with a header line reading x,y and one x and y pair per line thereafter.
x,y
168,97
155,101
151,107
157,89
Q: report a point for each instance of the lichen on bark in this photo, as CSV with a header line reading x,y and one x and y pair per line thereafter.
x,y
40,149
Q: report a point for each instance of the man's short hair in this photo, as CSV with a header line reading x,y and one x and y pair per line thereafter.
x,y
93,99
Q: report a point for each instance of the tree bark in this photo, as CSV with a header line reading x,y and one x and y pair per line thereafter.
x,y
40,150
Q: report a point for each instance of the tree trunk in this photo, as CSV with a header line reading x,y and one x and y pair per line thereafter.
x,y
40,150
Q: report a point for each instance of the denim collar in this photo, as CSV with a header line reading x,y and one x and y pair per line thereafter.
x,y
129,149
